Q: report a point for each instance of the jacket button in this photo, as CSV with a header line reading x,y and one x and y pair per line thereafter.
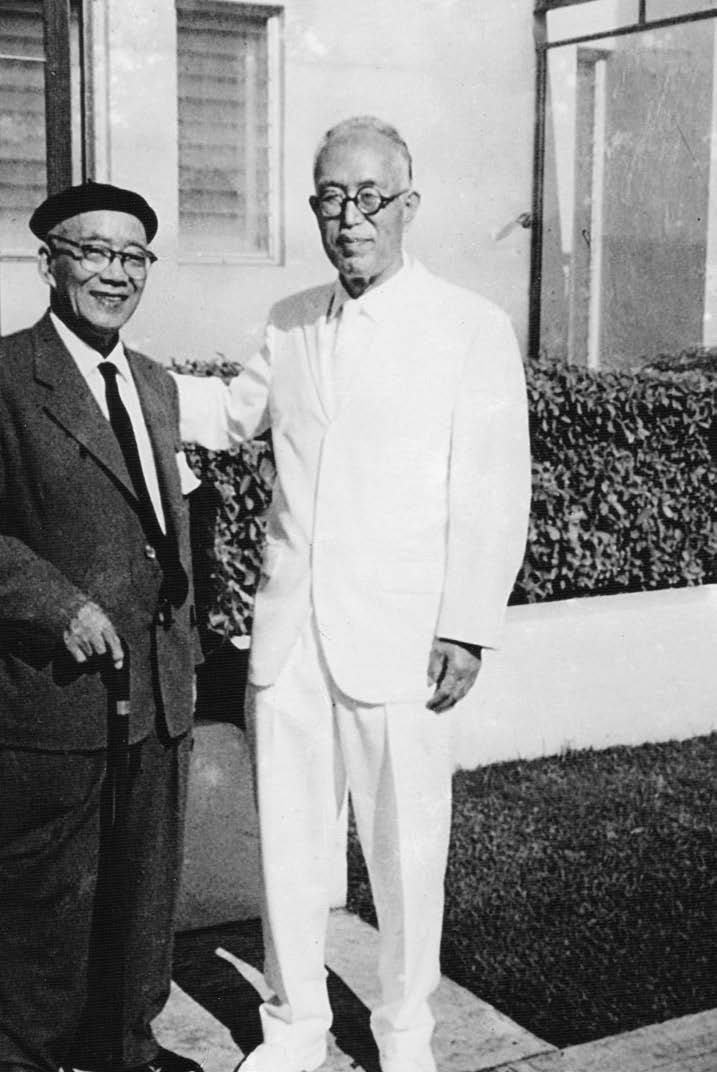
x,y
149,552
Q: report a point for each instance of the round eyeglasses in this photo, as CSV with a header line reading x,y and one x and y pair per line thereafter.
x,y
96,257
368,200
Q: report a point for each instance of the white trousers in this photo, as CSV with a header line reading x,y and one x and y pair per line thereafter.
x,y
311,742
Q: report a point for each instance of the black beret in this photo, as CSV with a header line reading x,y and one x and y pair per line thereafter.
x,y
91,197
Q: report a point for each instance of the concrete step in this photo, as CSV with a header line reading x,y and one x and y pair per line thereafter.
x,y
471,1036
686,1044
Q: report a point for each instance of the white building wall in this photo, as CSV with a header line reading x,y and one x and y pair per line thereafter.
x,y
455,76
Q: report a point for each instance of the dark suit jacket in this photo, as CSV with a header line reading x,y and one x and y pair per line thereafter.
x,y
69,529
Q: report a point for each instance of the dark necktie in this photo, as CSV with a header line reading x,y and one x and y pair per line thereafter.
x,y
175,579
122,428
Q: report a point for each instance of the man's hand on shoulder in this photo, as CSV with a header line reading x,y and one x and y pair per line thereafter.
x,y
453,667
90,632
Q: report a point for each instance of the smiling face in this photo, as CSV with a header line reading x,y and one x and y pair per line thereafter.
x,y
366,250
95,305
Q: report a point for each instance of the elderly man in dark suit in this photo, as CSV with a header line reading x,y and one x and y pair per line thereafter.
x,y
93,547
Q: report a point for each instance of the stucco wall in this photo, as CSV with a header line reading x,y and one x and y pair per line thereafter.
x,y
455,76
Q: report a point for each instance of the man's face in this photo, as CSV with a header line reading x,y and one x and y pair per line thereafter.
x,y
99,302
364,249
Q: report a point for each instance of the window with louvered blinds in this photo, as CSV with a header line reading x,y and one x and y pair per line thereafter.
x,y
23,165
224,108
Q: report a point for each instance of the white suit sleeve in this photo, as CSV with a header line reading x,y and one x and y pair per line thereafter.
x,y
489,488
219,416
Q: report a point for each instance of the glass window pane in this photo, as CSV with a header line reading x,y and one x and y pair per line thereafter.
x,y
22,119
594,17
23,175
630,206
224,149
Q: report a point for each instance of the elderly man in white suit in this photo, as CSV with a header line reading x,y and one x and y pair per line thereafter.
x,y
398,414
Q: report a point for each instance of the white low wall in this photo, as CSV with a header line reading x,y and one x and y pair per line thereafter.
x,y
589,673
585,673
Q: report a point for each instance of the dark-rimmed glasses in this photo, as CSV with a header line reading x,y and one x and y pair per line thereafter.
x,y
96,257
331,204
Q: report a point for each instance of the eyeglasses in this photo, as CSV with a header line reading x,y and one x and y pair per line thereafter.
x,y
95,257
331,204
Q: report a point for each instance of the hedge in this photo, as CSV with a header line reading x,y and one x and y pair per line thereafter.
x,y
624,489
227,516
624,483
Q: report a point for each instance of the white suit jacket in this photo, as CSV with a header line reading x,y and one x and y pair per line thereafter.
x,y
401,515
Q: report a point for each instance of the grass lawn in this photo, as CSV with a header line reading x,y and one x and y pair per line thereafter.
x,y
580,894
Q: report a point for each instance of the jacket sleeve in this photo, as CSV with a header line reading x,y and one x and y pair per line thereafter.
x,y
488,487
219,416
37,601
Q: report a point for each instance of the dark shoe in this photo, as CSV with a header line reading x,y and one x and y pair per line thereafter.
x,y
11,1066
166,1061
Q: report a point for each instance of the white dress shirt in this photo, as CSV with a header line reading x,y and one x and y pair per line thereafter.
x,y
348,332
88,362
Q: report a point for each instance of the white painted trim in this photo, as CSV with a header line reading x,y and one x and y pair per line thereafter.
x,y
97,94
597,195
709,337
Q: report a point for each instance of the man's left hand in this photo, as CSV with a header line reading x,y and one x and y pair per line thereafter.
x,y
452,668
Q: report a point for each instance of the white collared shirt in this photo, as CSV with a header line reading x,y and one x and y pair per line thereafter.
x,y
376,302
348,331
88,362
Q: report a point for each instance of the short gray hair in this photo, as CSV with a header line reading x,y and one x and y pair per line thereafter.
x,y
358,124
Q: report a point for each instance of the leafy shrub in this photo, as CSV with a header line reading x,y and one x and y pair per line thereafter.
x,y
624,488
228,527
624,485
702,359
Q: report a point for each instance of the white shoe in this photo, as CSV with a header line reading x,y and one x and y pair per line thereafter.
x,y
402,1066
272,1057
406,1064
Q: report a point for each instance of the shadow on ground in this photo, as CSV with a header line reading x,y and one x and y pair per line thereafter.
x,y
215,984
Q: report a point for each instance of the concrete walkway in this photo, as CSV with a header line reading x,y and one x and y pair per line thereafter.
x,y
471,1036
688,1044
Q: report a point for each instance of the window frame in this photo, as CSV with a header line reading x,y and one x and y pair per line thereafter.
x,y
58,99
57,64
542,47
273,15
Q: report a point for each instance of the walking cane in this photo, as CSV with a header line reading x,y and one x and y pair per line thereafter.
x,y
117,795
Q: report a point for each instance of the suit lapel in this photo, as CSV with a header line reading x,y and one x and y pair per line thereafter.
x,y
69,401
316,334
163,437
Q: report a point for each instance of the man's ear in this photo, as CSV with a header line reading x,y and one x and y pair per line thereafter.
x,y
314,205
44,266
411,205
